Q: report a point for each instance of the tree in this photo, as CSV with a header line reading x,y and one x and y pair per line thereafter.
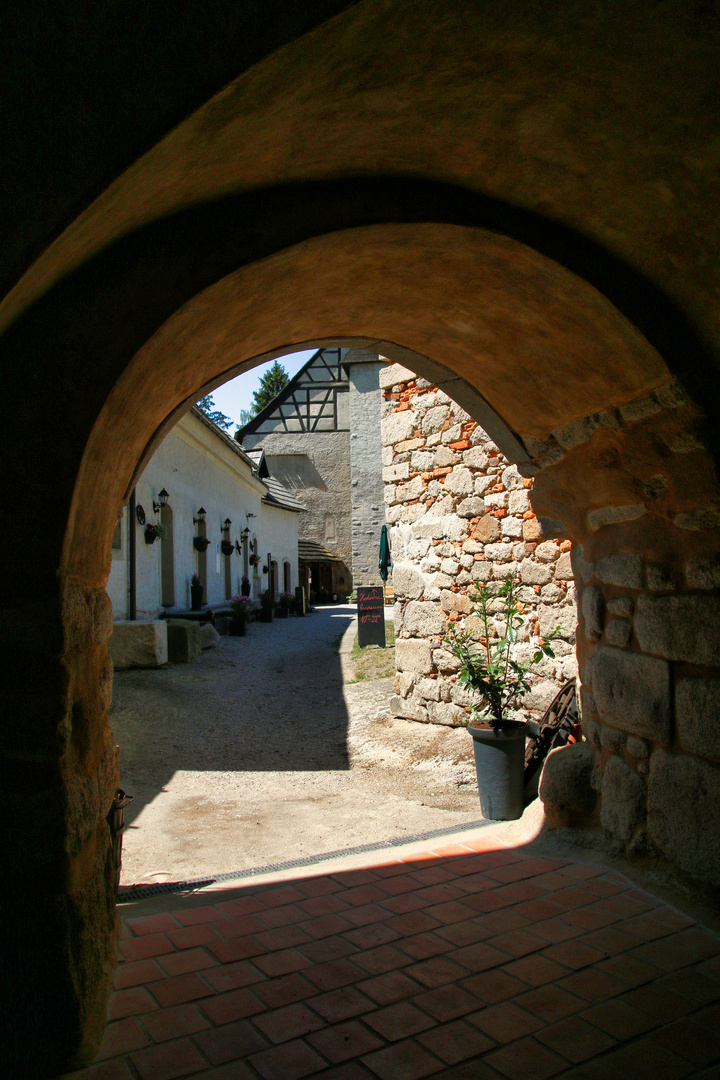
x,y
271,383
244,417
207,405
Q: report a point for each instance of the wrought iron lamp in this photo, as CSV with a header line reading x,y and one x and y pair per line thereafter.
x,y
161,502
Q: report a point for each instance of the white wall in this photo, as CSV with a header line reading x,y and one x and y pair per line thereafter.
x,y
197,468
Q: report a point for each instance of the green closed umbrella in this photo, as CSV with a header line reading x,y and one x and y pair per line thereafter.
x,y
385,559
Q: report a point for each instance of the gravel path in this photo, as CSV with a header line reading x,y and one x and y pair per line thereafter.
x,y
265,750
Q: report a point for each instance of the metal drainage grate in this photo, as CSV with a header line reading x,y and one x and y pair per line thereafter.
x,y
141,892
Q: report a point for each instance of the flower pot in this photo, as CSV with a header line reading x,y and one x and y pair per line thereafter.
x,y
500,766
237,627
245,589
201,543
265,614
226,547
196,597
150,536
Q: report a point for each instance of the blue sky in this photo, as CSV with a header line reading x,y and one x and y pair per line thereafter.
x,y
237,394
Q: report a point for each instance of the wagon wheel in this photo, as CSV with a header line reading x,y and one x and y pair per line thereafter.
x,y
559,724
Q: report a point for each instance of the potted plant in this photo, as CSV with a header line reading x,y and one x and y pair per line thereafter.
x,y
245,586
241,607
267,606
154,532
285,601
196,592
497,679
201,543
254,561
227,547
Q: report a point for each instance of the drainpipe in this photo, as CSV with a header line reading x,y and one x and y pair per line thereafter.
x,y
132,612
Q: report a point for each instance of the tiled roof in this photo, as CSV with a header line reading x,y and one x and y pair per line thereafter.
x,y
280,496
311,551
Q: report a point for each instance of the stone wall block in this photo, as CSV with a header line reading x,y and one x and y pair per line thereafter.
x,y
566,785
408,708
592,607
447,713
487,530
403,683
704,573
689,836
393,473
623,799
450,601
471,507
618,632
393,374
581,567
434,419
82,811
632,692
397,426
413,654
659,578
547,552
563,568
428,689
680,627
407,581
614,515
637,748
445,661
623,570
460,482
697,715
424,619
475,457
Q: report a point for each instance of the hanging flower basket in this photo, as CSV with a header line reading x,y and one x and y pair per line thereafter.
x,y
154,532
227,547
201,543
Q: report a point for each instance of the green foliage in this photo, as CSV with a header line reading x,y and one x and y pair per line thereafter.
x,y
244,417
207,405
487,668
271,383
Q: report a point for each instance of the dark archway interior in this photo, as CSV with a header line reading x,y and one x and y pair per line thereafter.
x,y
521,201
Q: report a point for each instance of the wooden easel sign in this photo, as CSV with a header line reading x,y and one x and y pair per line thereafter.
x,y
371,616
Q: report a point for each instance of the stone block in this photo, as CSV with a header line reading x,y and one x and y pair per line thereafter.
x,y
413,654
659,578
487,530
613,515
428,689
445,661
518,501
618,632
531,530
397,426
424,619
430,528
592,612
183,638
422,460
623,799
396,472
563,568
404,682
407,581
457,529
471,507
443,457
450,601
566,784
550,616
547,552
680,627
412,490
482,483
446,713
683,812
623,570
704,573
209,637
394,374
532,573
408,708
622,606
481,571
582,569
637,748
475,458
632,692
697,716
138,644
434,419
460,482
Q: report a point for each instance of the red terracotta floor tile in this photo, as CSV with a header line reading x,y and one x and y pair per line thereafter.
x,y
423,946
550,1003
344,1041
230,1042
610,940
236,1005
334,948
173,1023
330,904
452,911
143,947
389,869
395,886
234,1070
619,1019
403,904
455,1042
539,909
447,1003
137,972
363,894
236,949
592,985
439,971
351,879
658,1001
493,985
646,1060
318,886
526,1060
520,943
464,933
434,875
181,963
130,1002
680,950
513,872
693,985
180,989
485,901
293,1021
536,970
188,937
575,1039
391,987
506,1022
505,920
284,990
285,937
590,918
281,963
384,958
324,926
398,1021
692,1040
521,890
105,1070
342,1004
152,924
480,957
367,914
630,969
367,937
406,1061
194,916
241,905
289,1062
574,954
557,929
279,895
169,1060
334,974
121,1037
280,916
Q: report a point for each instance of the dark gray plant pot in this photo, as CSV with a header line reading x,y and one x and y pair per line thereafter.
x,y
500,766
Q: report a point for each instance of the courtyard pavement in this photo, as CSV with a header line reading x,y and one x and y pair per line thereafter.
x,y
472,960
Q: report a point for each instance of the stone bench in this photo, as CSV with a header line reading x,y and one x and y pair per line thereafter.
x,y
183,640
135,644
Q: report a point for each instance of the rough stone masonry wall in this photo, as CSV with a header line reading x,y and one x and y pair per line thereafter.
x,y
366,483
460,516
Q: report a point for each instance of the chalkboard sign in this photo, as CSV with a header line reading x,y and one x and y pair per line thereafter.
x,y
371,616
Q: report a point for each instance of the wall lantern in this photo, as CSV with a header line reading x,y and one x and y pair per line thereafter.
x,y
161,501
200,516
226,525
244,535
